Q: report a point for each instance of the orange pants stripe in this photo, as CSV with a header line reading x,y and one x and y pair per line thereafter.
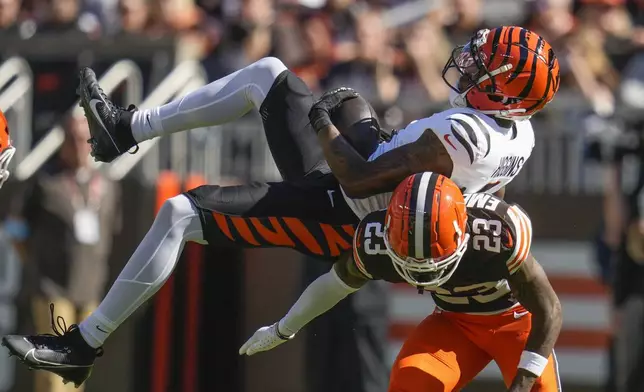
x,y
447,350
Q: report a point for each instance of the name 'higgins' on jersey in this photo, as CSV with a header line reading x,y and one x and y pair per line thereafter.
x,y
485,155
500,238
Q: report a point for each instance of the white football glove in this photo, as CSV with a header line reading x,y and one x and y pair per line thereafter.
x,y
264,339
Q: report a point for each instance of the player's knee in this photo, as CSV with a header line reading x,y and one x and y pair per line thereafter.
x,y
271,66
176,209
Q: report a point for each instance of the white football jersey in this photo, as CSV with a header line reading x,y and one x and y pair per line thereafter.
x,y
486,156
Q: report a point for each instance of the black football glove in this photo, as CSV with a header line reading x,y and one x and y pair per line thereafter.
x,y
319,115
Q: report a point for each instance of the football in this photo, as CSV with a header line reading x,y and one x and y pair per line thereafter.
x,y
358,122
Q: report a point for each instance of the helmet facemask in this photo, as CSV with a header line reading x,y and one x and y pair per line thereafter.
x,y
466,70
5,160
428,273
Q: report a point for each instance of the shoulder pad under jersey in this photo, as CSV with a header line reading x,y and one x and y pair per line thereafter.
x,y
499,227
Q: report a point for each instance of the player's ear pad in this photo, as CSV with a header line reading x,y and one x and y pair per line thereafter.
x,y
358,122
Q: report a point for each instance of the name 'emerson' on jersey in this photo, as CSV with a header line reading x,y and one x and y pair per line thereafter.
x,y
486,155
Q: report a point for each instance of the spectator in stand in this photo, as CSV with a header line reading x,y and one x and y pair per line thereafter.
x,y
198,33
372,71
9,13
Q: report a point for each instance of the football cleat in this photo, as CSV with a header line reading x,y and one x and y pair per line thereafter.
x,y
109,125
64,353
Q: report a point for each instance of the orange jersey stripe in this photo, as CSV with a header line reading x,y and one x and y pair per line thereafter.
x,y
334,240
523,230
356,257
223,225
349,229
243,229
277,236
303,234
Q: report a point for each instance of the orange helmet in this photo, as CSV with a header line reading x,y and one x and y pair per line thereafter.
x,y
508,72
6,149
425,229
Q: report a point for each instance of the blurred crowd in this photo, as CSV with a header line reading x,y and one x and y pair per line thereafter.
x,y
392,51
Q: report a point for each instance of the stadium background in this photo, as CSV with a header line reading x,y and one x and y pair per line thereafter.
x,y
392,51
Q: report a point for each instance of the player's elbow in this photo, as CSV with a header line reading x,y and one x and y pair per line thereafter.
x,y
550,314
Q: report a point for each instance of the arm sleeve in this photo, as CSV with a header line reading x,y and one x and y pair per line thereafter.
x,y
320,296
522,238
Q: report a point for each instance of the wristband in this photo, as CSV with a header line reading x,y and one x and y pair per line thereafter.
x,y
280,335
533,362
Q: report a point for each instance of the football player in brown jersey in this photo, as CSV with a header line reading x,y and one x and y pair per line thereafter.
x,y
493,300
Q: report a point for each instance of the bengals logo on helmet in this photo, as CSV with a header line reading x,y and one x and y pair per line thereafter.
x,y
508,72
425,229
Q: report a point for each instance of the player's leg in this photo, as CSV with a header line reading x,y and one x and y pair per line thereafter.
x,y
266,85
507,344
71,353
307,216
437,357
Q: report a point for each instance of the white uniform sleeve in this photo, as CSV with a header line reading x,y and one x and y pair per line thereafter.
x,y
464,135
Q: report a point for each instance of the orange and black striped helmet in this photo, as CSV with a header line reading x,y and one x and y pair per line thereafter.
x,y
425,229
6,149
508,72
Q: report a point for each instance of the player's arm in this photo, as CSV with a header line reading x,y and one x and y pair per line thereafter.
x,y
532,289
361,178
318,298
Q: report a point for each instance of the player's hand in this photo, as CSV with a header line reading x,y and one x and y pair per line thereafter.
x,y
264,339
319,115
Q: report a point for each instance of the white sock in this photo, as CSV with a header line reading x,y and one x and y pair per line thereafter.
x,y
219,102
147,270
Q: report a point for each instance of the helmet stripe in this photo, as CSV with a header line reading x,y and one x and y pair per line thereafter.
x,y
420,223
508,48
533,72
495,42
411,215
433,213
523,55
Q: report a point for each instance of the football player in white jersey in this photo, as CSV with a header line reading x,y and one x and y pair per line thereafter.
x,y
505,75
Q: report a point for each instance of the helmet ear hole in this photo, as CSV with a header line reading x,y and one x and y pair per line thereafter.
x,y
495,98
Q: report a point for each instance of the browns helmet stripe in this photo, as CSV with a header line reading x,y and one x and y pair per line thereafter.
x,y
523,55
465,144
413,216
408,224
432,208
432,212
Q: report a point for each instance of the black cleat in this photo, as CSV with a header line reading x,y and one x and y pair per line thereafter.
x,y
63,353
109,124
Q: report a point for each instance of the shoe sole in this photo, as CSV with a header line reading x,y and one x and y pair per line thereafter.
x,y
54,369
96,129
